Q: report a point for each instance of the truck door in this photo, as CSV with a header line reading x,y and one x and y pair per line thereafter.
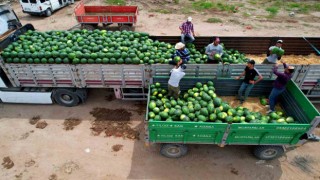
x,y
29,5
54,4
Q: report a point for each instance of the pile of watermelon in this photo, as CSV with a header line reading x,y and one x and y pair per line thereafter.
x,y
201,104
232,56
92,47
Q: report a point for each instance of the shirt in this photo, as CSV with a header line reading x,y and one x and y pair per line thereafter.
x,y
187,27
183,54
176,76
272,58
250,74
211,48
282,79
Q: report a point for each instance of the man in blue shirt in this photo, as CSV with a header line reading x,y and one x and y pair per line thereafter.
x,y
182,52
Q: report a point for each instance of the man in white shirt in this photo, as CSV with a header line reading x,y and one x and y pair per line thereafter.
x,y
272,58
176,74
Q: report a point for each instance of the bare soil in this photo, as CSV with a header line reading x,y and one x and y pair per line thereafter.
x,y
7,163
71,123
113,122
41,124
34,120
117,147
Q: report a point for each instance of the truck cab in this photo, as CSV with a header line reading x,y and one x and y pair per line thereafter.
x,y
8,20
43,7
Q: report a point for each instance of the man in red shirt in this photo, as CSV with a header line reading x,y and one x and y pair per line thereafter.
x,y
187,31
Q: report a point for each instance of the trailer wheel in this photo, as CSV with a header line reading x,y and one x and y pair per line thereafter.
x,y
88,27
125,28
66,97
48,12
173,150
268,152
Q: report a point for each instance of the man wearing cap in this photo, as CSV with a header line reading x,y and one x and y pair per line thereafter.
x,y
182,52
187,31
213,49
176,74
249,73
279,84
272,58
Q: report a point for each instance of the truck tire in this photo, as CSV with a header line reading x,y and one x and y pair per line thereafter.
x,y
268,152
48,12
88,27
66,97
173,150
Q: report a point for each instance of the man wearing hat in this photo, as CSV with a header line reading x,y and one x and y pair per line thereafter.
x,y
249,73
176,74
214,49
187,31
279,84
182,52
272,58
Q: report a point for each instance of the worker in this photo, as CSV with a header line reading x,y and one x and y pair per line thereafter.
x,y
271,57
249,73
214,49
279,84
187,31
176,74
182,52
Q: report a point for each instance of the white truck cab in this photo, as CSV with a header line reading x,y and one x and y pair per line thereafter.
x,y
43,7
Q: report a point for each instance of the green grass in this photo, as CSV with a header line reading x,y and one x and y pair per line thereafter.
x,y
273,11
214,20
202,5
253,2
218,5
116,2
246,14
176,1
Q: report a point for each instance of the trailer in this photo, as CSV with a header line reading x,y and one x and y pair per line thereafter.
x,y
269,140
89,17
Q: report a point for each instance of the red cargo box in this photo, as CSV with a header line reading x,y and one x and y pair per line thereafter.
x,y
106,14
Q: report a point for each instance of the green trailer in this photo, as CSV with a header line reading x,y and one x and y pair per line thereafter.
x,y
270,140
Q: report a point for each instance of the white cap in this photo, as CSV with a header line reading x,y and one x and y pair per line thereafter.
x,y
189,19
179,45
280,41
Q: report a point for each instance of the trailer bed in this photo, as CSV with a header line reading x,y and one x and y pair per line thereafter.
x,y
293,102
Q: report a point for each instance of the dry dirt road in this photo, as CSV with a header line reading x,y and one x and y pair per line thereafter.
x,y
50,147
74,151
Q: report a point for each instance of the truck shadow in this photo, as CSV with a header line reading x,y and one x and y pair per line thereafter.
x,y
201,162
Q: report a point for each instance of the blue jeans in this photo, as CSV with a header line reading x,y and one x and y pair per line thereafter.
x,y
273,97
189,37
244,87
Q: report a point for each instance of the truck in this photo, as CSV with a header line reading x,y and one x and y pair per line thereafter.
x,y
67,84
269,141
43,7
89,17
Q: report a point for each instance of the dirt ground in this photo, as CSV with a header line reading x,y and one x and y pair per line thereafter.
x,y
55,152
54,142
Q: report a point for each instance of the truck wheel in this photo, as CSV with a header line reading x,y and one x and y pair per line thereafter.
x,y
268,152
48,12
173,150
66,97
